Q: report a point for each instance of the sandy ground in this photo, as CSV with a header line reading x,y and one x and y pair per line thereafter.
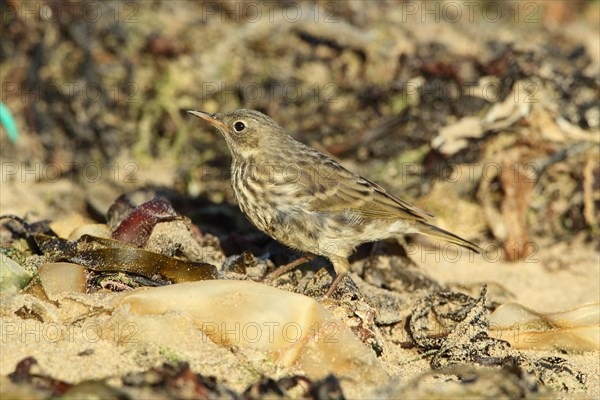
x,y
556,277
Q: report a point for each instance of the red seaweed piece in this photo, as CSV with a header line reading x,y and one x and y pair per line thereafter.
x,y
136,228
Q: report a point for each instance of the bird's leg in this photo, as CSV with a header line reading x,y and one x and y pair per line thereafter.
x,y
335,284
288,267
341,266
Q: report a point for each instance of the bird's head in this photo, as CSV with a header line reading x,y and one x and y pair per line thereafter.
x,y
245,131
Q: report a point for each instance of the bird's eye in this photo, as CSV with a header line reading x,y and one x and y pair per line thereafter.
x,y
239,126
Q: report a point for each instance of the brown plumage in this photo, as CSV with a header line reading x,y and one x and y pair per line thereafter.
x,y
308,201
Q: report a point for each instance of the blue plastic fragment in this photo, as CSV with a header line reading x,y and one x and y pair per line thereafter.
x,y
8,122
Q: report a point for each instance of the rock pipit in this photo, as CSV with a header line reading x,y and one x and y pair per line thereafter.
x,y
308,201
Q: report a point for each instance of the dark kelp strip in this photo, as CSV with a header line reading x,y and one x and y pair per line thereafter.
x,y
104,255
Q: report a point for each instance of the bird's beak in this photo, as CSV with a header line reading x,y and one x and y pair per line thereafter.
x,y
210,118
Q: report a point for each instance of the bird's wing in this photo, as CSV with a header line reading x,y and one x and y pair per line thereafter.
x,y
337,189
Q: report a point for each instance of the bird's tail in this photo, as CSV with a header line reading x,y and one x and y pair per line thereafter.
x,y
430,230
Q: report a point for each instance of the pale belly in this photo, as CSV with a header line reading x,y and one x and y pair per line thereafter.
x,y
325,234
